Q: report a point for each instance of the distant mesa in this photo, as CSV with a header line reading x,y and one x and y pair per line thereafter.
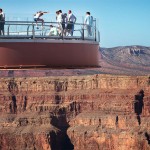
x,y
134,55
129,60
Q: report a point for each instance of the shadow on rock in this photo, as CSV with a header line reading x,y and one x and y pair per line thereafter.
x,y
60,141
139,104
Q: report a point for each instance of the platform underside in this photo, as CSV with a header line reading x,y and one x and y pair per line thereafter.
x,y
48,53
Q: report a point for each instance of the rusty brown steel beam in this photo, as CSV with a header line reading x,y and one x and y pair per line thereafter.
x,y
48,53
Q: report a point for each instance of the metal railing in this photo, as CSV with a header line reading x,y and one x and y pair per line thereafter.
x,y
31,30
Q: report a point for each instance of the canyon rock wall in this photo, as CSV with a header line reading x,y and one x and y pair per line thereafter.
x,y
100,112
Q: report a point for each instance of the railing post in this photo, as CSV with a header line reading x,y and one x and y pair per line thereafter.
x,y
62,33
99,36
83,32
8,30
95,29
33,31
28,30
83,28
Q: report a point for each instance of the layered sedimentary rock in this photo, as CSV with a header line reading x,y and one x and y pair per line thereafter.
x,y
100,112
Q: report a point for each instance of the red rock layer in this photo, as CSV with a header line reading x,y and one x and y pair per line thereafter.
x,y
99,112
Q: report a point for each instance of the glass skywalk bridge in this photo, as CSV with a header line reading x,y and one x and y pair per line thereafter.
x,y
23,46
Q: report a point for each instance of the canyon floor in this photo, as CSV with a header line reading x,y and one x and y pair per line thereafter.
x,y
103,108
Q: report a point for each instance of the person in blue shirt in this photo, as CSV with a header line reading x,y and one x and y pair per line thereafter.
x,y
71,20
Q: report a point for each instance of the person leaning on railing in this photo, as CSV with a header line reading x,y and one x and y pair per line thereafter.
x,y
71,20
2,22
37,17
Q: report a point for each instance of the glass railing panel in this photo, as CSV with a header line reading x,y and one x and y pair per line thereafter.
x,y
17,26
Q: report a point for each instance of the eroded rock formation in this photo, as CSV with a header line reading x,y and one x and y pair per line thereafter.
x,y
75,112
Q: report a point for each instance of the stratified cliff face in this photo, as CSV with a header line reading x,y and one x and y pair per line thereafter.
x,y
92,112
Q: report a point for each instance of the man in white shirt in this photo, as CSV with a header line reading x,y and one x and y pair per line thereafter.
x,y
53,31
59,22
2,19
37,17
63,22
88,24
71,20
